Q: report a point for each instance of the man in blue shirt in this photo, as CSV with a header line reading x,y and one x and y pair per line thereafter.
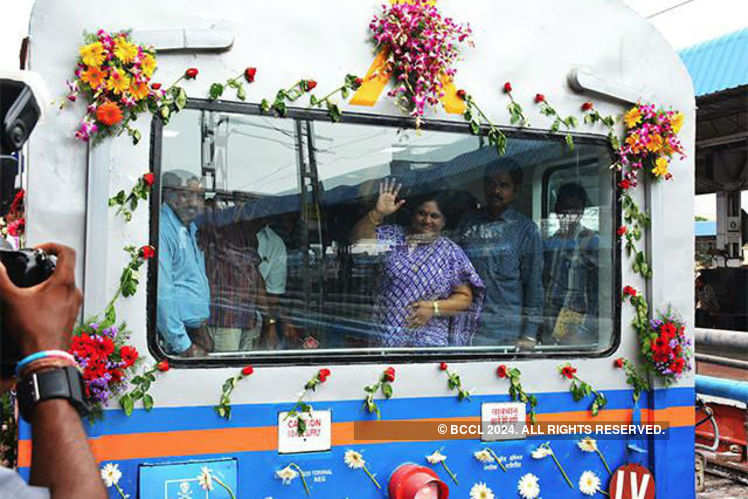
x,y
506,250
183,290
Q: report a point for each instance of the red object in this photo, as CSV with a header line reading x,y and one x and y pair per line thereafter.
x,y
628,290
624,184
507,87
323,374
248,370
618,363
389,374
309,85
155,86
409,478
163,366
249,74
539,98
358,82
621,230
129,355
501,371
191,73
149,178
461,94
147,252
568,371
586,106
621,481
443,366
109,113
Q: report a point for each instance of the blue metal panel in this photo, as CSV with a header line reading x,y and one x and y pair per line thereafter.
x,y
718,64
705,228
725,388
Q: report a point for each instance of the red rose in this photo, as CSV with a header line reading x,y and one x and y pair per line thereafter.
x,y
116,375
443,366
129,355
247,370
358,82
147,252
149,178
501,371
507,87
619,363
163,366
249,74
568,371
191,73
155,86
628,290
323,375
309,85
624,184
621,230
461,94
539,98
389,374
586,106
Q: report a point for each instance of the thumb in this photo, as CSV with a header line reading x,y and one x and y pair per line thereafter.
x,y
6,285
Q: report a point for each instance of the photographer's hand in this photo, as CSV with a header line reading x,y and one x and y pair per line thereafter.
x,y
41,318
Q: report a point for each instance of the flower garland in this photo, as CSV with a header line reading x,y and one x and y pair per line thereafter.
x,y
580,389
636,379
142,383
293,93
515,110
666,348
301,406
515,389
290,94
114,75
127,203
385,383
216,89
223,409
455,383
569,122
421,47
476,119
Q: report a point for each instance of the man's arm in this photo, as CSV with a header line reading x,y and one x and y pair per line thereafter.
x,y
531,274
41,318
168,321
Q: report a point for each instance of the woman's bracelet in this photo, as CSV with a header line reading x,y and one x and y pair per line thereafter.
x,y
375,217
436,308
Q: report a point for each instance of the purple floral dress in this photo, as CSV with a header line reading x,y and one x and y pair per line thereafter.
x,y
424,272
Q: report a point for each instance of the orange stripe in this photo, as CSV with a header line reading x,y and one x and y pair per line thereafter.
x,y
265,438
452,104
374,81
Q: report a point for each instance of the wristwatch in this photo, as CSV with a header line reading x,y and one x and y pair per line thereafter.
x,y
59,383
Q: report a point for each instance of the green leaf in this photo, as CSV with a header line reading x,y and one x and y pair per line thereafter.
x,y
344,92
313,101
265,105
555,125
569,142
595,409
387,390
127,404
147,402
241,93
474,127
216,90
181,99
301,428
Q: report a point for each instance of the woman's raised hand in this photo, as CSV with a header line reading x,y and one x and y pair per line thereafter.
x,y
387,203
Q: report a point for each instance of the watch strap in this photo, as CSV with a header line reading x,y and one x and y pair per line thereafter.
x,y
63,383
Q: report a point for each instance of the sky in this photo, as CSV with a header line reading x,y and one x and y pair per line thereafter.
x,y
682,23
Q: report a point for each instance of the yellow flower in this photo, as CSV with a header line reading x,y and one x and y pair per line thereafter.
x,y
148,65
118,82
660,168
655,143
139,91
633,142
93,76
632,117
92,54
124,50
677,122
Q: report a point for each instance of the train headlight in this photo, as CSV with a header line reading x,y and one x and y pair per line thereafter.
x,y
412,481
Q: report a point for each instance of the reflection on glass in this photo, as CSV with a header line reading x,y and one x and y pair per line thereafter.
x,y
281,234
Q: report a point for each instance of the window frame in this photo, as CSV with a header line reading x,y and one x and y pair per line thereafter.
x,y
367,356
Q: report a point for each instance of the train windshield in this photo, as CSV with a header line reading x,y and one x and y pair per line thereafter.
x,y
296,237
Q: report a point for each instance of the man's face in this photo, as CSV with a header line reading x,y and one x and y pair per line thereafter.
x,y
500,192
187,202
569,212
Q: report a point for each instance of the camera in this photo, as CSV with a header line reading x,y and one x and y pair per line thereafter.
x,y
19,108
26,267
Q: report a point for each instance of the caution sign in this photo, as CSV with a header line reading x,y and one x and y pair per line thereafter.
x,y
632,481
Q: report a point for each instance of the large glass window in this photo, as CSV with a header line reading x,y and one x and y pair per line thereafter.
x,y
297,237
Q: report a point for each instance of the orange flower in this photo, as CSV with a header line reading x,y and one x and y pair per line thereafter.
x,y
139,91
109,113
94,76
655,143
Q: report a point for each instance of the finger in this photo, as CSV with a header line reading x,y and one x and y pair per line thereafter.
x,y
65,268
399,203
397,189
381,188
6,285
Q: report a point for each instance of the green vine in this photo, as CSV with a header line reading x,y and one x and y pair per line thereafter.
x,y
634,378
516,392
580,389
216,89
455,383
517,117
350,83
127,203
142,383
476,118
569,122
635,220
302,407
223,409
385,383
290,94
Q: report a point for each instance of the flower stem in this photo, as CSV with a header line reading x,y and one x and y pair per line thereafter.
x,y
228,489
599,453
303,480
372,478
561,469
446,468
603,492
501,465
119,489
323,99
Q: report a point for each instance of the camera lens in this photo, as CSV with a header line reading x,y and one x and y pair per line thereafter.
x,y
17,134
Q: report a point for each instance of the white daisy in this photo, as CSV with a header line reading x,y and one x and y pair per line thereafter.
x,y
542,452
588,444
483,456
436,457
529,486
111,474
589,483
287,474
205,478
354,459
481,491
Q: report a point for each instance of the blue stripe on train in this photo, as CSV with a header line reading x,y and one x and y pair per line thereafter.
x,y
250,415
256,469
